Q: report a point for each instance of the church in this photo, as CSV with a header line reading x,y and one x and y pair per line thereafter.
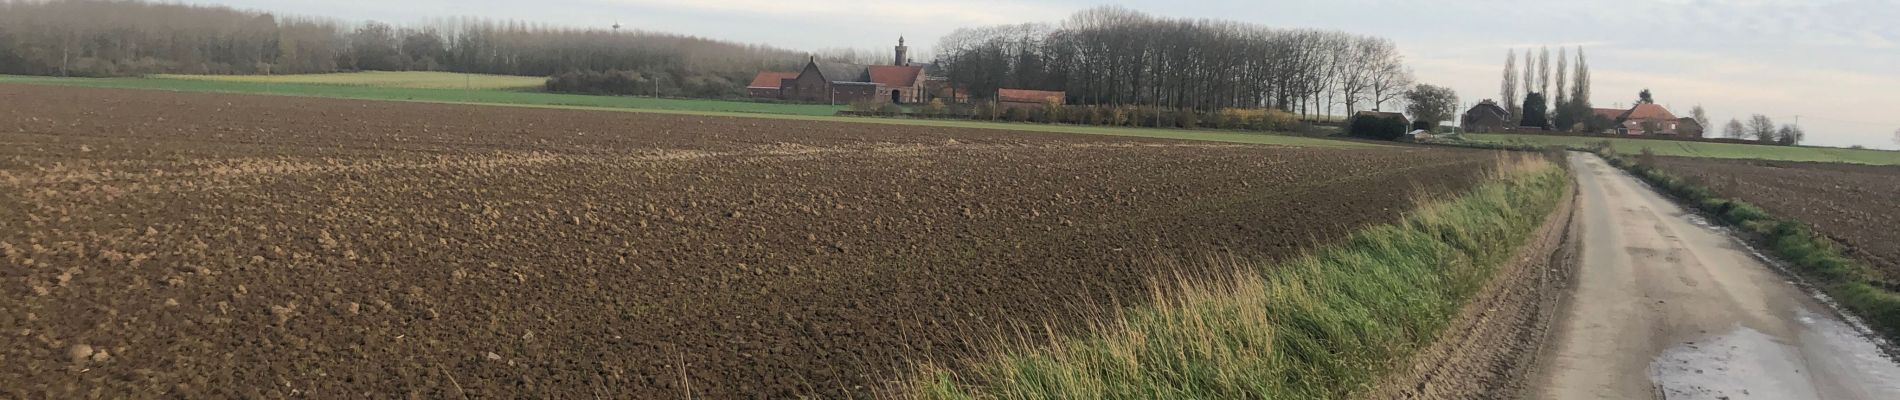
x,y
901,82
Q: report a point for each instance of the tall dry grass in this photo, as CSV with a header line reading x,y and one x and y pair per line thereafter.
x,y
1322,326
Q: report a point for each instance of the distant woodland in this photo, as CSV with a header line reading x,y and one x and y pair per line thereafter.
x,y
1101,56
1115,56
128,37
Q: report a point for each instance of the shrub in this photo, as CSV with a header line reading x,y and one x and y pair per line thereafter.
x,y
1015,114
1188,118
1051,111
1371,127
935,108
599,82
985,111
889,109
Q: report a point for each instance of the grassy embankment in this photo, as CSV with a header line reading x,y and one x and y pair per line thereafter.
x,y
1814,256
1324,326
361,87
1700,149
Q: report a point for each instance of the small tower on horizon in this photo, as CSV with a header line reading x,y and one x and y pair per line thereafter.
x,y
903,53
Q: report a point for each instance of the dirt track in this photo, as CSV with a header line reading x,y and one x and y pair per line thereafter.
x,y
1490,350
206,245
1666,306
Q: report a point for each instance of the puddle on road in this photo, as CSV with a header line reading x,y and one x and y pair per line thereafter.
x,y
1828,360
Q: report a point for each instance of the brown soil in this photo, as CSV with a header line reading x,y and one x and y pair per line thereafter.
x,y
1491,349
1856,205
204,245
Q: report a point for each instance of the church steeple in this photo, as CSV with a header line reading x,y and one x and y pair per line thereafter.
x,y
903,53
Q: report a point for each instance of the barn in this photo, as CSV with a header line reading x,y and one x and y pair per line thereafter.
x,y
766,85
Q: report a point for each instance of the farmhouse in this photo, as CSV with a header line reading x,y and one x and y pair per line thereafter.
x,y
1631,122
1487,116
839,83
1028,99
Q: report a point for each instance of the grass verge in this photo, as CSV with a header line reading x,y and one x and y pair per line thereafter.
x,y
1849,282
1699,149
1323,326
699,107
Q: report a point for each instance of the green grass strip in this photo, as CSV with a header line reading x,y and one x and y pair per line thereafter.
x,y
1699,149
698,107
1323,326
395,79
1851,283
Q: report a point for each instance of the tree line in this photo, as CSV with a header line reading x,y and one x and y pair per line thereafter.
x,y
1116,56
120,38
1573,112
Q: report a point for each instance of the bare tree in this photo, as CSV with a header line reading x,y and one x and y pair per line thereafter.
x,y
1508,91
1701,117
1761,128
1735,130
1543,71
1896,136
1563,61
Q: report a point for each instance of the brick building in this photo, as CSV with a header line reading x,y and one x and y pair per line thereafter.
x,y
837,83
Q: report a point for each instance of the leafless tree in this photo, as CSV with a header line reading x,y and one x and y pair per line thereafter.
x,y
1509,91
1701,116
131,37
1116,56
1561,95
1735,130
1543,71
1761,128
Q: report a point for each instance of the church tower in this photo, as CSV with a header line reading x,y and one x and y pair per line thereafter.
x,y
903,53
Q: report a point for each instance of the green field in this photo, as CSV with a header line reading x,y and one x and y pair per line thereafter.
x,y
722,108
392,79
500,97
1703,149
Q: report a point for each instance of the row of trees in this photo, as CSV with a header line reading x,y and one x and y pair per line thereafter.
x,y
113,38
1116,56
1762,129
1571,109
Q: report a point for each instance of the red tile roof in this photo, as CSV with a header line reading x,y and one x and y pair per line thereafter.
x,y
1650,112
771,79
895,75
1029,96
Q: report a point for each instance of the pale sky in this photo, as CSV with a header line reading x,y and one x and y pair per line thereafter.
x,y
1834,63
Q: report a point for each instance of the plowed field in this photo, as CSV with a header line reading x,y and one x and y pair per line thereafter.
x,y
1856,205
204,245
